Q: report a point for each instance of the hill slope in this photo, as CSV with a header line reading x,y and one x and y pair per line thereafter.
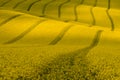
x,y
59,40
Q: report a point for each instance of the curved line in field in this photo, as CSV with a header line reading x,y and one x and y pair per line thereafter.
x,y
92,13
93,17
110,18
82,2
60,35
70,59
75,10
24,33
32,5
5,3
96,39
9,19
109,2
45,6
19,4
60,6
83,52
95,4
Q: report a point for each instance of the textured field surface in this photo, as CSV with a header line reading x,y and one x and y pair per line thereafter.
x,y
59,40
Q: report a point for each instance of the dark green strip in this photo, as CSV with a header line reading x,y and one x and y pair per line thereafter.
x,y
45,6
92,14
109,2
60,35
96,39
19,4
110,18
32,5
93,17
5,3
82,1
24,33
75,9
59,8
83,52
9,19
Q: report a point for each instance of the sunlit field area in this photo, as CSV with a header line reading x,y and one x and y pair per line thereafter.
x,y
59,40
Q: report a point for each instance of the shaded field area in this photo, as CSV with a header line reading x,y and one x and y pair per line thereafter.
x,y
59,62
59,40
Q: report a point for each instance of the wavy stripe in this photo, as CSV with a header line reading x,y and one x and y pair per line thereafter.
x,y
9,19
92,13
93,17
83,52
96,39
19,4
110,18
32,5
82,1
60,35
5,3
109,2
80,54
45,6
24,33
59,7
95,4
75,10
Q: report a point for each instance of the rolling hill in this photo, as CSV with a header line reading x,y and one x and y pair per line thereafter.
x,y
59,40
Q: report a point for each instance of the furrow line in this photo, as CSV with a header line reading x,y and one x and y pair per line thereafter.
x,y
82,1
45,6
82,53
92,14
5,3
93,17
24,33
110,18
60,6
9,19
75,10
32,5
19,4
69,61
60,35
96,39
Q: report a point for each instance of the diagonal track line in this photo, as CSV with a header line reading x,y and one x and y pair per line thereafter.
x,y
110,18
5,3
82,53
45,6
60,6
70,60
93,17
96,39
60,35
19,4
32,5
109,2
9,19
75,10
82,2
92,14
24,33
